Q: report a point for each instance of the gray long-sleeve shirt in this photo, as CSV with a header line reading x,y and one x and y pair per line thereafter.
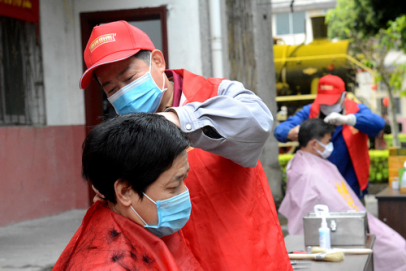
x,y
242,121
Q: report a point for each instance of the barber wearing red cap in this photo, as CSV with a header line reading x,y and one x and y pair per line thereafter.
x,y
355,122
233,223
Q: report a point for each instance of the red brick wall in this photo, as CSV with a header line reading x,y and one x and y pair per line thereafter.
x,y
40,172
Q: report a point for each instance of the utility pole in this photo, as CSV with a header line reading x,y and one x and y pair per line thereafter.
x,y
250,55
266,89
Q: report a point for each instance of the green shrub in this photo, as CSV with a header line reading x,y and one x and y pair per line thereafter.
x,y
389,139
283,162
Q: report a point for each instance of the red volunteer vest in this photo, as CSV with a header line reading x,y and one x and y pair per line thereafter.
x,y
357,143
234,223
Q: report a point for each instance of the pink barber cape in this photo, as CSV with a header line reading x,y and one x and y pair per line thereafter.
x,y
313,180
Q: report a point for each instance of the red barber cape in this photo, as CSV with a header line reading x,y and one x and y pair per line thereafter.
x,y
357,143
234,224
109,241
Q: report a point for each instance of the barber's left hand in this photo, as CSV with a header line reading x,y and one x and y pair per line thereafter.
x,y
338,119
171,116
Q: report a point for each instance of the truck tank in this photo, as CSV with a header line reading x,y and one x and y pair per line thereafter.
x,y
298,68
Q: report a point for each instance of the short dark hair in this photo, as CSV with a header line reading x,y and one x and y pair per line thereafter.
x,y
134,148
314,129
143,55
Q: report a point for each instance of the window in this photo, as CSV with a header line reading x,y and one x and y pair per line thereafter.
x,y
290,23
21,74
397,107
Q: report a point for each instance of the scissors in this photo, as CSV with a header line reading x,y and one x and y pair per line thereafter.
x,y
297,265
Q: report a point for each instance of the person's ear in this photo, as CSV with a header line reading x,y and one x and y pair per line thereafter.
x,y
123,193
158,59
313,144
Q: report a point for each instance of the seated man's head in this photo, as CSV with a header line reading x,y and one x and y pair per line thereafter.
x,y
314,137
137,161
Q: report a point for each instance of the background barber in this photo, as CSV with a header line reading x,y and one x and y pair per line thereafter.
x,y
354,123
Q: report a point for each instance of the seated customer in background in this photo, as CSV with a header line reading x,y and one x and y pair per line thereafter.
x,y
139,163
311,180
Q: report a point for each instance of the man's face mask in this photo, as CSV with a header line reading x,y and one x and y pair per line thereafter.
x,y
141,95
328,109
328,149
173,213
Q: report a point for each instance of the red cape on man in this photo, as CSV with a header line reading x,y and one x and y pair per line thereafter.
x,y
109,241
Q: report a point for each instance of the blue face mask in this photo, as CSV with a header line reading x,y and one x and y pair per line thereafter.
x,y
173,213
141,95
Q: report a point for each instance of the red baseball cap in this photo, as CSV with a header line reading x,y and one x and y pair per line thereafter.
x,y
110,43
329,89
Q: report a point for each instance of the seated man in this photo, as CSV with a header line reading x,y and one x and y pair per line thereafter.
x,y
139,163
314,180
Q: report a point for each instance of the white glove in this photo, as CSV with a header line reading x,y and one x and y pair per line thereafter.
x,y
338,119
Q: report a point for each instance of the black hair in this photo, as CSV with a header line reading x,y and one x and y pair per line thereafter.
x,y
143,55
314,129
134,148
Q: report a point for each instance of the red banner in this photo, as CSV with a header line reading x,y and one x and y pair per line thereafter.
x,y
27,10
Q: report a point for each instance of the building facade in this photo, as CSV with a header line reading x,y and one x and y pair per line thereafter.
x,y
44,116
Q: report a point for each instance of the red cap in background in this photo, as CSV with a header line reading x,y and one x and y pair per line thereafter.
x,y
329,89
110,43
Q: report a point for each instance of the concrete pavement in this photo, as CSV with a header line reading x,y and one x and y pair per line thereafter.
x,y
35,245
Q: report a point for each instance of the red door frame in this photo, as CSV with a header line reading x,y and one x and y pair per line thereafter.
x,y
88,20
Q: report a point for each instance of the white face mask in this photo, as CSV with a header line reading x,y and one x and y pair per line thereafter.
x,y
328,149
328,109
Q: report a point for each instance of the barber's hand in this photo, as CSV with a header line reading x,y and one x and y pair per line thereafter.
x,y
294,133
338,119
171,116
99,196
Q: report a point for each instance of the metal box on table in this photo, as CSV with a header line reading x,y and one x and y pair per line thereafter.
x,y
347,228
